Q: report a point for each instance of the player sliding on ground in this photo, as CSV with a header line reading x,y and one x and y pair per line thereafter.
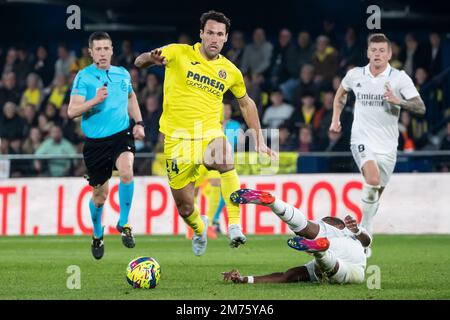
x,y
196,78
380,92
337,246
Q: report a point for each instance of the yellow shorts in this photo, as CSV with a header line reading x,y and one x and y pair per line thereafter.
x,y
205,174
184,158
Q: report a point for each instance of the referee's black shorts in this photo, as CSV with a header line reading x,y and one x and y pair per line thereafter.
x,y
100,155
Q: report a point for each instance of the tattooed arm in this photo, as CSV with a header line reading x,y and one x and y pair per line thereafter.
x,y
415,104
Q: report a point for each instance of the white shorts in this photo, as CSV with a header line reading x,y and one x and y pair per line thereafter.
x,y
347,273
349,254
386,162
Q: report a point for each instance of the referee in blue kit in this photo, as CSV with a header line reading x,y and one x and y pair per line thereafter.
x,y
103,96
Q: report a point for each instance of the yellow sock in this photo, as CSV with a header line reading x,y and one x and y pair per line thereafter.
x,y
213,201
195,222
229,182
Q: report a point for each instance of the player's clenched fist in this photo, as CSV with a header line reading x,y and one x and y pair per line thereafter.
x,y
335,126
101,95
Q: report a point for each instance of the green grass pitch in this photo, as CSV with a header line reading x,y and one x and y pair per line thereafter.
x,y
412,267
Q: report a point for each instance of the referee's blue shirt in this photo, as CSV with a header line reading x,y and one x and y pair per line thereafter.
x,y
110,116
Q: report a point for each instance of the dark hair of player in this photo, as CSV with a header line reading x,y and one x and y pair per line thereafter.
x,y
98,35
216,16
378,38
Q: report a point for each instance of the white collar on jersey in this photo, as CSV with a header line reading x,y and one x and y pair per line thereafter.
x,y
385,73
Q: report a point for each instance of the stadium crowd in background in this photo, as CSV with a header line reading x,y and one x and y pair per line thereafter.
x,y
291,79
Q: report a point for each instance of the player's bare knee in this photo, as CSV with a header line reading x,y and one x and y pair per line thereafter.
x,y
185,209
373,180
126,177
225,167
99,199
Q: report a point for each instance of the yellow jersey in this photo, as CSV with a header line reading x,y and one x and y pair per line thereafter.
x,y
193,92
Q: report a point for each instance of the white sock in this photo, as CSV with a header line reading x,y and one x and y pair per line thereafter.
x,y
293,217
326,260
369,204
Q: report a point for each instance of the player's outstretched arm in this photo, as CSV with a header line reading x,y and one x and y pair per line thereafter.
x,y
296,274
250,114
78,104
148,59
340,99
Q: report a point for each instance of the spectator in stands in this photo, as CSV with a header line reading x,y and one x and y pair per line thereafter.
x,y
283,68
33,141
152,87
44,124
406,137
236,52
306,84
10,61
334,142
33,93
11,125
435,55
231,127
305,139
296,59
52,113
127,57
42,66
83,61
23,67
55,145
18,168
395,61
29,115
9,90
286,139
304,52
151,115
59,92
70,127
429,95
303,113
413,56
351,52
325,61
329,30
322,118
257,55
65,61
135,82
278,112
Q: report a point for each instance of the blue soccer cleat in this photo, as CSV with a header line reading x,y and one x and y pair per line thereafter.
x,y
243,196
310,246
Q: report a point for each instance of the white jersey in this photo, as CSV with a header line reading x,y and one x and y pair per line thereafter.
x,y
375,121
344,244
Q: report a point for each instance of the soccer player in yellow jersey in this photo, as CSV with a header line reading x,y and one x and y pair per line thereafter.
x,y
196,79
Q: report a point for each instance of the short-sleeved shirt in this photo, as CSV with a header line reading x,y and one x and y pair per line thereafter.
x,y
110,116
375,120
193,92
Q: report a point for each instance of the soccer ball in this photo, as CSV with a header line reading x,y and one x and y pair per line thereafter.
x,y
143,272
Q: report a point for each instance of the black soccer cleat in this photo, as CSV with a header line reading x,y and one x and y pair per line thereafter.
x,y
127,236
97,248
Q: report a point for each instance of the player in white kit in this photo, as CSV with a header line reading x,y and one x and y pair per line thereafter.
x,y
337,246
380,92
